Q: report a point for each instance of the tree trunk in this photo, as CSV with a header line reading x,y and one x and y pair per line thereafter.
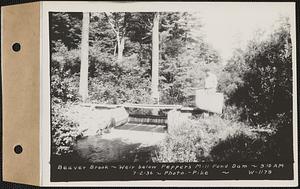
x,y
120,35
155,58
83,85
121,44
115,49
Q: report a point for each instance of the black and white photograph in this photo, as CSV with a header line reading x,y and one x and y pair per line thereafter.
x,y
172,90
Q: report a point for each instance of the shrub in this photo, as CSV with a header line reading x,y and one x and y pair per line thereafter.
x,y
64,131
217,139
193,141
65,88
259,79
239,147
260,147
119,82
231,112
64,80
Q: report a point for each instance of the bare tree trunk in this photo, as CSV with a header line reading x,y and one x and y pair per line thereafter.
x,y
120,35
83,85
115,49
155,58
121,44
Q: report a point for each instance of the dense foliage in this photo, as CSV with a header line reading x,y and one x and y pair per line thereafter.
x,y
256,81
183,56
64,131
193,141
259,79
257,84
120,56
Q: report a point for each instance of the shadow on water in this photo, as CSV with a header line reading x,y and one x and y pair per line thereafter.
x,y
94,149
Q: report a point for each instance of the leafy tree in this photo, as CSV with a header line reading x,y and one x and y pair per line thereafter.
x,y
65,28
184,56
183,53
118,22
259,79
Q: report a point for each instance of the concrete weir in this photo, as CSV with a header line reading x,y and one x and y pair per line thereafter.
x,y
113,133
97,118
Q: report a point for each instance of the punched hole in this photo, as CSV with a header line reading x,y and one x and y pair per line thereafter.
x,y
18,149
16,47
